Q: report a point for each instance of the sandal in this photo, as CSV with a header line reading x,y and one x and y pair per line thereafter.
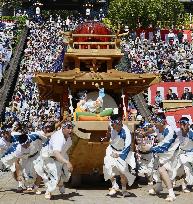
x,y
48,195
170,198
112,191
185,190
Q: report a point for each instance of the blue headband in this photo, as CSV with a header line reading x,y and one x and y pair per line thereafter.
x,y
183,122
147,125
158,119
67,124
118,121
27,141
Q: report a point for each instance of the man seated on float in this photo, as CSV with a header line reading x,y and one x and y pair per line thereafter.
x,y
85,105
96,106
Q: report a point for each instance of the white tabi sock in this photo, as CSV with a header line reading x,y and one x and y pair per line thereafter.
x,y
123,188
184,186
20,184
115,185
171,192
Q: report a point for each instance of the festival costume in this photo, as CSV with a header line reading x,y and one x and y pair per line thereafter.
x,y
165,151
120,143
15,136
185,157
146,159
166,148
27,156
4,145
46,164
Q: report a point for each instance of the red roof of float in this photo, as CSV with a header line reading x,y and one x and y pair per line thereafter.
x,y
92,28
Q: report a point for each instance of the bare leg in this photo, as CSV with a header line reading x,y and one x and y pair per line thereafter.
x,y
61,186
166,179
123,181
124,185
37,184
38,180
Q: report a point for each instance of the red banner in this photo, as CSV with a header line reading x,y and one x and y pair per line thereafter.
x,y
164,33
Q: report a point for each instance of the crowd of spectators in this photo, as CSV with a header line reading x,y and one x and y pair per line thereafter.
x,y
7,42
44,45
172,58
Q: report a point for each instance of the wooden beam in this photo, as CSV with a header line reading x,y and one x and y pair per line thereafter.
x,y
92,35
94,43
92,58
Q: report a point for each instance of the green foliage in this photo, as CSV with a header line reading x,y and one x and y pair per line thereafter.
x,y
11,3
21,20
144,12
108,23
63,13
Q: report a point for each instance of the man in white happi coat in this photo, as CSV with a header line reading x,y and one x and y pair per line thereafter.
x,y
145,134
20,156
53,164
184,159
5,141
119,159
165,151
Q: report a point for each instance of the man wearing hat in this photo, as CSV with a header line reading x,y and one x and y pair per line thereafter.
x,y
185,155
119,156
21,155
53,164
166,151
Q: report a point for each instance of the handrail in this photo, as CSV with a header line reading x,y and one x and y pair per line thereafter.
x,y
12,73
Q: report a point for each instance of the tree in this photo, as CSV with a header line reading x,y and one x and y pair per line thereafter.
x,y
144,12
11,3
